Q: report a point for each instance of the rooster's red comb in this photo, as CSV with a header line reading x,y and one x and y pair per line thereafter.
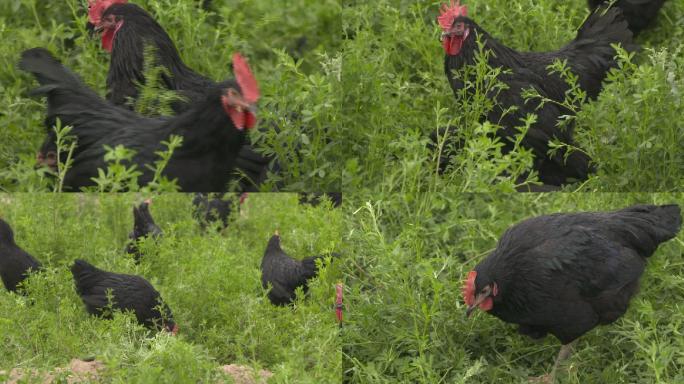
x,y
245,78
97,7
469,288
448,13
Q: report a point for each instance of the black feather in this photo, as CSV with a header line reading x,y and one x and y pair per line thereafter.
x,y
143,226
284,273
204,162
128,293
15,263
565,274
639,13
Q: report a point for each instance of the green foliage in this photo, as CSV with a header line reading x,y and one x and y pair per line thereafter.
x,y
634,131
407,323
211,281
153,98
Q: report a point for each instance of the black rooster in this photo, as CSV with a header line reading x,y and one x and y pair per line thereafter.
x,y
590,55
15,263
143,226
128,292
284,273
564,274
125,30
213,129
639,13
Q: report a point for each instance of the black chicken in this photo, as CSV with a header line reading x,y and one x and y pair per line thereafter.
x,y
589,56
284,273
143,226
564,274
128,292
125,30
213,129
15,263
639,13
210,209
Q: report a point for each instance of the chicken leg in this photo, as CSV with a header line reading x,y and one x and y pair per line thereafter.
x,y
564,353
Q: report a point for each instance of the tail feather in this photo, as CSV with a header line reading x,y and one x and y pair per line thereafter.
x,y
591,54
310,266
73,102
607,25
645,227
49,72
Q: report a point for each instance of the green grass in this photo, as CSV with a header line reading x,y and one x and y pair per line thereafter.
x,y
299,96
211,281
407,321
396,93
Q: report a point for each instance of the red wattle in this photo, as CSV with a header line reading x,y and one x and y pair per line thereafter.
x,y
238,118
108,40
108,37
486,304
250,120
452,45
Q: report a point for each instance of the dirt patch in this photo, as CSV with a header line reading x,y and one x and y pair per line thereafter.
x,y
242,374
78,371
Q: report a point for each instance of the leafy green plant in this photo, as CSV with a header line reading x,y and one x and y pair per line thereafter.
x,y
210,280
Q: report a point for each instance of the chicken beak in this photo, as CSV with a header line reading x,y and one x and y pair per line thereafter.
x,y
478,300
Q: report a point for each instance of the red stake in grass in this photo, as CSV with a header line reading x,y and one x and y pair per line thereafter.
x,y
339,295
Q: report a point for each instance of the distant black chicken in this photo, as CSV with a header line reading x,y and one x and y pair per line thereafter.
x,y
213,129
589,56
128,292
143,226
210,209
15,263
639,13
564,274
315,199
125,31
284,273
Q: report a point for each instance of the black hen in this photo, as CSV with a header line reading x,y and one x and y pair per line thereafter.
x,y
15,263
639,13
213,129
564,274
128,292
210,209
589,56
143,226
126,29
284,273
